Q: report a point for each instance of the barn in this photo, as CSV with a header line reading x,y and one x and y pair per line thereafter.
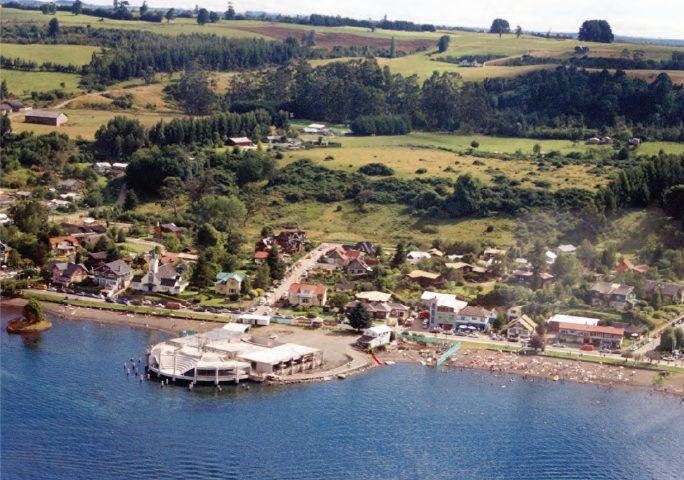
x,y
45,117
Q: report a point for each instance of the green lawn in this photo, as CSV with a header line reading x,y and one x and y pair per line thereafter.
x,y
57,54
23,83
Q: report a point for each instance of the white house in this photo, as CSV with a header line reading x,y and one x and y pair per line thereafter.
x,y
443,308
375,336
160,279
415,257
253,319
550,257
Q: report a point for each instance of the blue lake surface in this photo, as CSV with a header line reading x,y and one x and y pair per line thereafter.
x,y
69,412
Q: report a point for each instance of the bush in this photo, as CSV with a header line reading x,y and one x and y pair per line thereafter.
x,y
377,169
421,171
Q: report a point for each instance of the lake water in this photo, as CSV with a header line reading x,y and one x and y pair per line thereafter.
x,y
69,412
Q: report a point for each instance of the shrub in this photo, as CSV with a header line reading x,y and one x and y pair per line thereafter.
x,y
377,169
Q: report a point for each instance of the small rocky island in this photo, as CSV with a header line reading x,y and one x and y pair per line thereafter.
x,y
33,319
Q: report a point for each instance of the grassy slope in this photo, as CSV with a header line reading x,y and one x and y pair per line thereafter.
x,y
58,54
23,83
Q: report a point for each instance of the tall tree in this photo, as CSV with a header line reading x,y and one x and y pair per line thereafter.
x,y
393,48
275,264
170,15
3,89
170,193
77,7
195,91
202,16
500,26
399,255
144,8
359,317
443,43
53,28
596,31
230,13
518,31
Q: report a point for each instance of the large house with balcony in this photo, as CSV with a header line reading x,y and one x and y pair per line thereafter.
x,y
114,275
307,295
596,335
160,279
612,295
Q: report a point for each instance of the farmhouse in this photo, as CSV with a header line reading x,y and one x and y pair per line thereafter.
x,y
520,328
45,117
307,295
229,283
316,129
242,142
598,336
66,273
426,279
373,296
627,266
671,292
612,295
160,230
16,105
63,246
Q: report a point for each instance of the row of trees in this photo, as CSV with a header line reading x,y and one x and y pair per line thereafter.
x,y
563,99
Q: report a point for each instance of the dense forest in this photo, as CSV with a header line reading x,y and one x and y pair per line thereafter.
x,y
560,102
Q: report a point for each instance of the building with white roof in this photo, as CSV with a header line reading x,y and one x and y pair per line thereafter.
x,y
558,318
414,257
443,308
375,336
374,296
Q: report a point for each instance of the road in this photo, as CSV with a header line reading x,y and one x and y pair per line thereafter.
x,y
294,274
654,337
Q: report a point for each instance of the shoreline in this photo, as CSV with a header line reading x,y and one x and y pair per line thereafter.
x,y
484,359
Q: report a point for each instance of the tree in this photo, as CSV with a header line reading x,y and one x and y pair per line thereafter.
x,y
518,31
33,312
339,300
144,9
653,355
393,48
262,278
399,256
673,201
596,31
208,236
657,299
443,43
586,253
214,17
537,259
223,212
565,269
359,317
53,28
119,138
171,242
30,216
667,340
131,201
170,193
3,89
202,275
121,236
679,338
77,7
275,264
202,16
170,15
537,342
500,26
230,13
467,197
195,91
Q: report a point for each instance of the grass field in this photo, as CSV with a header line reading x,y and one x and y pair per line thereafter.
x,y
385,224
406,160
84,123
23,83
57,54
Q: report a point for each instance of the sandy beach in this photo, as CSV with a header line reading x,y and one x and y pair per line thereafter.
x,y
541,368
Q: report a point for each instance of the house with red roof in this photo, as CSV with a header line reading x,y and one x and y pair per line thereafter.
x,y
307,295
596,335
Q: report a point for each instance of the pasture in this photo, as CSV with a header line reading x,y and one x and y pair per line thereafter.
x,y
57,54
23,83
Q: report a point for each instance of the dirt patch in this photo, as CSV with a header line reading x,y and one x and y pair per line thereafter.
x,y
332,39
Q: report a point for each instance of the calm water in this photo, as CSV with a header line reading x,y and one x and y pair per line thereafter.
x,y
69,412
